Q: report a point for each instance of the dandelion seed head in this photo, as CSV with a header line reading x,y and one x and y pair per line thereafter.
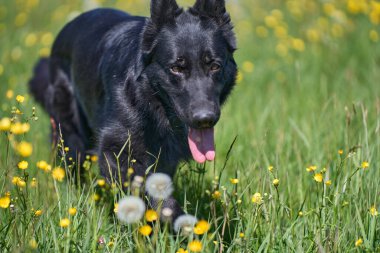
x,y
159,186
130,209
185,223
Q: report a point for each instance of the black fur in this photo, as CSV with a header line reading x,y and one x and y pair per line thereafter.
x,y
112,76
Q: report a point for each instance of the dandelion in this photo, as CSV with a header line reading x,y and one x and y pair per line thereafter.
x,y
130,209
23,165
24,149
95,197
9,94
276,182
5,201
201,227
373,211
241,235
151,215
58,174
20,98
64,223
340,152
257,198
359,242
5,124
270,168
311,168
167,213
159,186
195,246
33,244
38,212
185,223
43,165
145,230
34,182
101,182
318,177
72,211
216,195
66,149
328,182
181,250
19,128
19,182
365,165
234,180
94,158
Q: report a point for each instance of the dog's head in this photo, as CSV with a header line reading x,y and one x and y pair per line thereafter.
x,y
189,61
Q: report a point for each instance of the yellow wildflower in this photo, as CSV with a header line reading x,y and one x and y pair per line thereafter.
x,y
130,171
95,197
38,212
19,128
374,15
58,174
94,158
116,206
300,213
181,250
311,168
241,235
34,182
9,94
43,165
23,165
72,211
33,244
257,198
24,148
216,195
195,246
101,182
248,66
30,39
5,201
298,45
20,98
145,230
365,165
340,152
201,227
276,182
318,177
151,215
64,223
19,182
359,242
5,124
328,182
373,211
234,180
270,168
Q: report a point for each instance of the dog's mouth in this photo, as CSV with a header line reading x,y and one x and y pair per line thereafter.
x,y
201,143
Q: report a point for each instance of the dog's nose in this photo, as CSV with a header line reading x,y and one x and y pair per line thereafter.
x,y
204,119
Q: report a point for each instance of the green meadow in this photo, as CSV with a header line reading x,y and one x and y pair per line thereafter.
x,y
298,144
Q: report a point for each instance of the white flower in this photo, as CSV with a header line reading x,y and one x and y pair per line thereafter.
x,y
130,209
186,223
159,186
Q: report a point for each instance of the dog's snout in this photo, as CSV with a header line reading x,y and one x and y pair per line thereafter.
x,y
205,119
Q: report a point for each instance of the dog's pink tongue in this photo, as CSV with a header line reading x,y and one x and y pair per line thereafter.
x,y
201,143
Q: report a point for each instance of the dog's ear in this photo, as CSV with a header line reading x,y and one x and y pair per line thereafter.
x,y
161,12
216,10
211,8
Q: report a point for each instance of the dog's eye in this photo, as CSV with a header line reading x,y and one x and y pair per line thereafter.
x,y
214,67
176,70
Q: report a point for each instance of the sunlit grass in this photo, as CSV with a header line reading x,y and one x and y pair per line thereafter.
x,y
302,174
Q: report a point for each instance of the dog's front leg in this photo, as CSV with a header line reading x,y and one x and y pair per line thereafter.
x,y
114,162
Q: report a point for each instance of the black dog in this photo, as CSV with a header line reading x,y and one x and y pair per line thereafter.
x,y
158,82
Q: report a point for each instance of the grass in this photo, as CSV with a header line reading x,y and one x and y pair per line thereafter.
x,y
302,95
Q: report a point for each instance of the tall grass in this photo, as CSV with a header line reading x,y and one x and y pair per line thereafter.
x,y
306,109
